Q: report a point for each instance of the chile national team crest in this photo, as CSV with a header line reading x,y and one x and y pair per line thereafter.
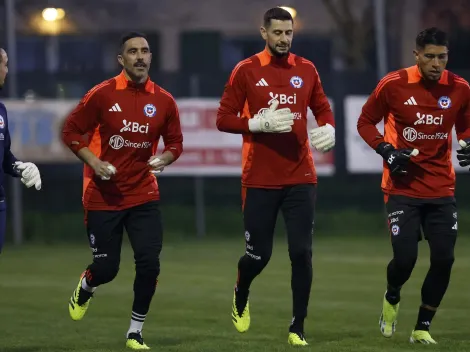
x,y
150,110
2,122
296,82
444,102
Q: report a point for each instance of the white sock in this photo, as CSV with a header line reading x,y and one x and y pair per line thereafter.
x,y
86,287
137,323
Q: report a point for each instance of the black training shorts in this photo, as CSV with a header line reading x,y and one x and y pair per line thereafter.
x,y
412,217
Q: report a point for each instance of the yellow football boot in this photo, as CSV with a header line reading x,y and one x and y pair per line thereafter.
x,y
422,336
241,322
78,311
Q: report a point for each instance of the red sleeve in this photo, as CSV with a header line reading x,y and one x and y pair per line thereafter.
x,y
462,123
233,102
373,111
319,103
82,120
172,135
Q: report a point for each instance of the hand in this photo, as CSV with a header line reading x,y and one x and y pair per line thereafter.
x,y
272,120
396,159
463,155
30,175
322,138
156,164
104,169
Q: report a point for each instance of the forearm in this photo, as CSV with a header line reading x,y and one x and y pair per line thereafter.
x,y
8,164
232,124
325,117
167,157
87,156
369,133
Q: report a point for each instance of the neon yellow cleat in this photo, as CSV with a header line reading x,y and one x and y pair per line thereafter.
x,y
135,342
422,336
296,339
78,311
242,323
388,318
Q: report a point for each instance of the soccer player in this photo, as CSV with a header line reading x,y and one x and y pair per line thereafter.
x,y
420,105
271,92
10,165
124,118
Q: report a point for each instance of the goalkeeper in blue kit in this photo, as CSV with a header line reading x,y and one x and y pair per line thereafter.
x,y
28,172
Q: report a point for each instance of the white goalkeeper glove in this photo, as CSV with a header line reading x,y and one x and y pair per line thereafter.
x,y
322,138
272,120
30,175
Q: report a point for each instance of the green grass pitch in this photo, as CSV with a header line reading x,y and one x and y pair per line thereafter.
x,y
192,307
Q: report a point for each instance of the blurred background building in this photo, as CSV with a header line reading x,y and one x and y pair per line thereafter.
x,y
64,47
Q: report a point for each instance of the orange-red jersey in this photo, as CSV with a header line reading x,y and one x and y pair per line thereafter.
x,y
418,114
124,122
273,160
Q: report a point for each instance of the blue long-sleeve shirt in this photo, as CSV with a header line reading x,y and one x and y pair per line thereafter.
x,y
7,159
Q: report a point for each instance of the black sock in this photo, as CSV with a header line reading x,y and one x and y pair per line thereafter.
x,y
424,318
144,289
301,283
248,269
241,298
297,326
392,295
83,296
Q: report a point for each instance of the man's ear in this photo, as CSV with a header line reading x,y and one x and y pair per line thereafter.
x,y
264,33
416,55
120,59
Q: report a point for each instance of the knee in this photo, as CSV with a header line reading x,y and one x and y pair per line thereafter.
x,y
405,263
109,270
443,261
148,265
258,256
301,256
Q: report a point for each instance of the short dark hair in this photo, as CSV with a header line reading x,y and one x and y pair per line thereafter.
x,y
128,36
276,13
432,36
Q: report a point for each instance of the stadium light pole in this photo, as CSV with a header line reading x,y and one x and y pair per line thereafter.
x,y
17,202
380,38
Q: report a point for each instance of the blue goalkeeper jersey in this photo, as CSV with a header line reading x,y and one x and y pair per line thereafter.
x,y
7,159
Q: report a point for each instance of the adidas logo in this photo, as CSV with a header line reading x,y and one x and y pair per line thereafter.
x,y
411,101
115,107
262,83
454,227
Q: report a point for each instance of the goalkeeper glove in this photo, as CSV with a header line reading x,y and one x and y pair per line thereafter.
x,y
29,173
322,138
463,155
396,159
272,120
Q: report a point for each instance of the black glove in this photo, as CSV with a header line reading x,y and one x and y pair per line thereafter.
x,y
396,159
464,154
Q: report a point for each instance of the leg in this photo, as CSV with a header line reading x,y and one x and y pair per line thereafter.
x,y
259,215
3,223
298,209
105,229
260,208
440,227
404,222
144,227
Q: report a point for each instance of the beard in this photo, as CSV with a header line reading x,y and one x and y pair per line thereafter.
x,y
276,53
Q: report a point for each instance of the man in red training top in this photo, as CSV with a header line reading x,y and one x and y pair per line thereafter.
x,y
278,170
124,117
420,105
